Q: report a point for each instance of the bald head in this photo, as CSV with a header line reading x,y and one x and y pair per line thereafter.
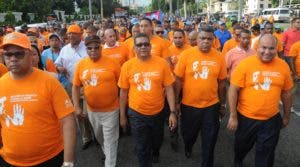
x,y
193,38
267,48
110,37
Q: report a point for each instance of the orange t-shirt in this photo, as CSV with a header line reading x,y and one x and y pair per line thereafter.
x,y
119,53
99,80
261,85
50,66
279,45
129,43
3,69
159,47
146,81
175,52
216,43
295,52
230,44
30,114
200,72
278,36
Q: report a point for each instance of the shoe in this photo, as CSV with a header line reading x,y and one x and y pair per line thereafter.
x,y
296,112
155,158
188,152
86,145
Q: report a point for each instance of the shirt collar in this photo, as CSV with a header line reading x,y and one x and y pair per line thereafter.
x,y
107,47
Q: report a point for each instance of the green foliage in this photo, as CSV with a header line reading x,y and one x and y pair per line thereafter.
x,y
10,18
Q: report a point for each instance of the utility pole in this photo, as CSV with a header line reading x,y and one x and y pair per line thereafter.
x,y
101,8
90,8
171,7
240,10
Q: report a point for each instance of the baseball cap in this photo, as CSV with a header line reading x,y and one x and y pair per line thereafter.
x,y
74,29
18,39
33,30
221,22
93,38
53,35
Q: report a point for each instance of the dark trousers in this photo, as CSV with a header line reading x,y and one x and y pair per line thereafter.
x,y
56,161
173,133
205,120
264,133
148,135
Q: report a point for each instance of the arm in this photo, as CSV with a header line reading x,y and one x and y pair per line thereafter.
x,y
222,91
178,86
286,98
171,100
232,98
123,106
76,101
69,135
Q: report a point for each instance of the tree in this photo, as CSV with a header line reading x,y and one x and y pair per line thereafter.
x,y
10,18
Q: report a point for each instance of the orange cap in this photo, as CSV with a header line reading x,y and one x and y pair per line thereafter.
x,y
74,29
18,39
33,30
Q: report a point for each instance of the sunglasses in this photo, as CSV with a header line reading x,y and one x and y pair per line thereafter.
x,y
17,54
159,32
142,44
90,47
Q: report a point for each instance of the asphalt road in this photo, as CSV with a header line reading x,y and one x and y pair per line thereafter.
x,y
287,152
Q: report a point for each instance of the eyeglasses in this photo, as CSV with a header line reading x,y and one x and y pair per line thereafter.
x,y
90,47
142,44
159,32
17,54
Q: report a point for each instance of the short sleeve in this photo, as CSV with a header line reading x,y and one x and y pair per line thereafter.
x,y
124,78
168,75
181,65
288,82
238,76
76,78
61,102
223,69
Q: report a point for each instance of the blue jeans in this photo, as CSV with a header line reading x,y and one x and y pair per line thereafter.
x,y
205,120
264,133
148,135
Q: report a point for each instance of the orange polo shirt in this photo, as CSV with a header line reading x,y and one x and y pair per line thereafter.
x,y
119,53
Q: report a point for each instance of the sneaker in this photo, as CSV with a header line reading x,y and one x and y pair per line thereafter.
x,y
296,112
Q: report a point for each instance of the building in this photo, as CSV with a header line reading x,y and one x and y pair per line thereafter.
x,y
223,7
134,3
256,6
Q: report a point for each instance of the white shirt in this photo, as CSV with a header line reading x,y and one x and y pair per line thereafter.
x,y
69,57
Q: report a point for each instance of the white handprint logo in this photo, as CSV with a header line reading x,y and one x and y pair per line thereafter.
x,y
2,100
195,69
136,78
94,80
204,73
18,118
255,79
267,83
147,84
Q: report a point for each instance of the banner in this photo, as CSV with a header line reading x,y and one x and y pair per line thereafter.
x,y
120,12
158,15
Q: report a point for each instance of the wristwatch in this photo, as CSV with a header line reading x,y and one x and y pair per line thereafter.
x,y
68,164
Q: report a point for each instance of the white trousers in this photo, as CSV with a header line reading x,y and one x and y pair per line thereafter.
x,y
106,130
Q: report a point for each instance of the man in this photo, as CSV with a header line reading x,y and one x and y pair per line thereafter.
x,y
295,67
268,29
278,32
114,49
240,52
157,49
129,43
256,86
291,36
255,30
123,33
144,82
37,122
222,34
90,31
178,46
51,53
159,31
99,76
233,42
192,37
65,64
201,73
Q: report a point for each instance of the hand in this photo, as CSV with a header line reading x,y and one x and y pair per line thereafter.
x,y
232,123
285,121
123,122
222,111
62,70
79,113
172,121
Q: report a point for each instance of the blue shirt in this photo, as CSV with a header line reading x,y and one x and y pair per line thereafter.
x,y
222,36
49,54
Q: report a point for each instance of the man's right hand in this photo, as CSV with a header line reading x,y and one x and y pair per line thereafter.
x,y
62,70
232,123
123,122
